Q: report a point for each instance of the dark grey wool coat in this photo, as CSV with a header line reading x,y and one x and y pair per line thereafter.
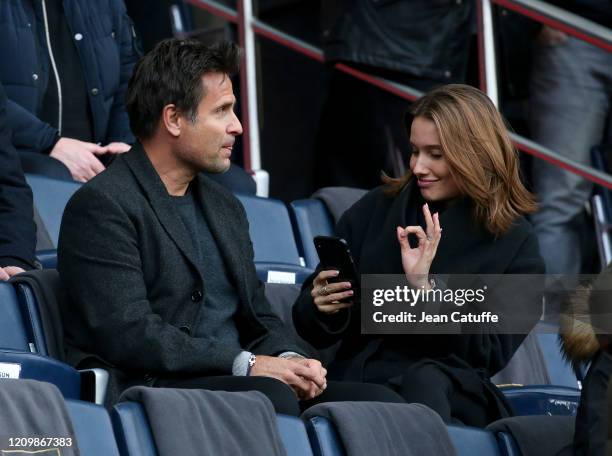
x,y
135,289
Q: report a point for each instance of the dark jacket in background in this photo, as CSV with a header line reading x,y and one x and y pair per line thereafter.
x,y
369,227
423,38
17,230
136,289
104,39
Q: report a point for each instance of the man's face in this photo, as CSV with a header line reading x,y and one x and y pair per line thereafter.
x,y
206,144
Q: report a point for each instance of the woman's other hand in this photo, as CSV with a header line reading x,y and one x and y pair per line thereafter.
x,y
327,295
417,261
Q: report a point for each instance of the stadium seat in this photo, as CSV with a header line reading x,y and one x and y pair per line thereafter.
x,y
273,240
310,218
467,441
19,364
47,258
324,439
293,434
14,331
18,348
132,430
40,293
93,429
134,435
50,199
543,400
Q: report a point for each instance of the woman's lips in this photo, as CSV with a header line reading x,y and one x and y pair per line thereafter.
x,y
426,183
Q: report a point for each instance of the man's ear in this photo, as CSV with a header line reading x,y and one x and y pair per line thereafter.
x,y
172,120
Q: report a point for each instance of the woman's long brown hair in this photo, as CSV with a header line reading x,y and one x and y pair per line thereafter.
x,y
481,158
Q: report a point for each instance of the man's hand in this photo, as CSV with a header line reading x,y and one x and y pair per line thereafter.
x,y
551,37
305,376
117,147
79,157
9,271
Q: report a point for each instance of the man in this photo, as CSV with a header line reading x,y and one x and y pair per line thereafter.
x,y
65,65
570,112
156,258
17,229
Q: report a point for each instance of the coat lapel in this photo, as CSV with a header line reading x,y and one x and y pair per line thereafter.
x,y
161,202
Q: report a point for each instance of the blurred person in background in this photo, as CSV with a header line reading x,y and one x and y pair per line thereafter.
x,y
419,43
17,229
65,65
570,112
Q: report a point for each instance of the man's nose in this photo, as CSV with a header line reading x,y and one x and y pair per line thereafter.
x,y
235,127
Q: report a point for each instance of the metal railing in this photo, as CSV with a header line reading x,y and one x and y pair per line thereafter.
x,y
248,26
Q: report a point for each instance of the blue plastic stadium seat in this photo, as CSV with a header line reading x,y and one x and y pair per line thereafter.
x,y
47,258
134,436
14,332
270,229
42,368
132,430
311,218
559,369
50,199
543,400
93,429
324,439
470,441
271,232
293,434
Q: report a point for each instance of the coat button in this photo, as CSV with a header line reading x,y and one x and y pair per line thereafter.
x,y
185,329
78,37
35,77
94,91
196,296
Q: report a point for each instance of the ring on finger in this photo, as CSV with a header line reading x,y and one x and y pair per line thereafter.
x,y
323,291
428,237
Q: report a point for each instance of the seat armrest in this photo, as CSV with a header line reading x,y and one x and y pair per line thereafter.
x,y
94,383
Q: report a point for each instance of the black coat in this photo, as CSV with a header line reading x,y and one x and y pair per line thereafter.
x,y
135,287
17,229
369,227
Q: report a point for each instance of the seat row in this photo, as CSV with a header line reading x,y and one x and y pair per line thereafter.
x,y
282,235
126,431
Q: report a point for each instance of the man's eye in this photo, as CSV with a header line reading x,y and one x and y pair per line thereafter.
x,y
414,151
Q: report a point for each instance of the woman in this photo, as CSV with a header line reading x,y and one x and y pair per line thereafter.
x,y
463,200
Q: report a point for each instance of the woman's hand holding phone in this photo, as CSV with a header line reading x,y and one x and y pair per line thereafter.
x,y
327,295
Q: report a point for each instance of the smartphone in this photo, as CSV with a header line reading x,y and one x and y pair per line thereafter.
x,y
335,254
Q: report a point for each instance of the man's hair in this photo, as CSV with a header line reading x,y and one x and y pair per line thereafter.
x,y
477,147
172,74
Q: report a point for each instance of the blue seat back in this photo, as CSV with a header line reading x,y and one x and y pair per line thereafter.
x,y
270,230
324,439
543,400
14,331
132,430
293,434
45,369
134,436
311,218
50,199
469,441
93,429
559,369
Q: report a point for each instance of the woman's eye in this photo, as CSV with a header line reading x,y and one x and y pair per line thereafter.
x,y
436,156
414,151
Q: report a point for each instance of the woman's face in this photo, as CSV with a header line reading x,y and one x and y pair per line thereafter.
x,y
428,164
